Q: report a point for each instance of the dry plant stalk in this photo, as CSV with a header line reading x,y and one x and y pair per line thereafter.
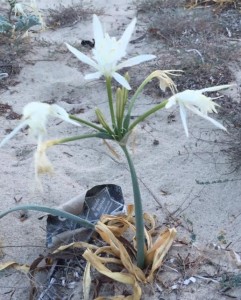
x,y
194,3
111,229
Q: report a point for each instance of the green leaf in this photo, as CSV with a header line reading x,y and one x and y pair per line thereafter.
x,y
52,211
26,22
5,26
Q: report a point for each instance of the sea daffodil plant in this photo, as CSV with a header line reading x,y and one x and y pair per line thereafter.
x,y
107,54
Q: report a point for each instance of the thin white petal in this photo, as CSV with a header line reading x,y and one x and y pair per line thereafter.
x,y
183,114
171,101
81,56
14,132
98,30
95,75
135,61
216,88
61,113
122,81
216,123
124,40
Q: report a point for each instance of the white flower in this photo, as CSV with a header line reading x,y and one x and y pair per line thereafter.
x,y
108,52
18,10
198,103
35,115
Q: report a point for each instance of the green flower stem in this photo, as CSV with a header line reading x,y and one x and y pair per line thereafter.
x,y
109,92
104,136
147,114
86,123
52,211
133,99
140,237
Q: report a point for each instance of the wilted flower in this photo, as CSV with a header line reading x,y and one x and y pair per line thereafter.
x,y
108,52
198,103
42,163
35,115
165,80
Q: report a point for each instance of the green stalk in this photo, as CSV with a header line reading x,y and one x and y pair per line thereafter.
x,y
120,107
109,92
133,99
140,237
86,123
52,211
147,114
79,137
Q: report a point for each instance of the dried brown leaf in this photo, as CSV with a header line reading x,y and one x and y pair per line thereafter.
x,y
95,262
87,282
16,266
160,248
74,245
119,251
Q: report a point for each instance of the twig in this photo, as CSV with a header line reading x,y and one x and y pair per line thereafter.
x,y
206,278
195,50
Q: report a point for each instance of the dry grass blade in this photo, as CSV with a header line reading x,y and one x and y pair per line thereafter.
x,y
148,233
194,3
115,298
87,281
112,150
95,262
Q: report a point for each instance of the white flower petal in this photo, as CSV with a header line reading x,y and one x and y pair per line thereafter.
x,y
98,30
216,88
95,75
216,123
18,10
122,81
171,101
183,114
61,113
124,40
36,114
84,58
35,108
13,133
135,61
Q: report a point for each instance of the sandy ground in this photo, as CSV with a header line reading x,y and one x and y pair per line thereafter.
x,y
170,172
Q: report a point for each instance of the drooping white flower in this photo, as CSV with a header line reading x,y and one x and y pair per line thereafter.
x,y
108,51
198,103
35,115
